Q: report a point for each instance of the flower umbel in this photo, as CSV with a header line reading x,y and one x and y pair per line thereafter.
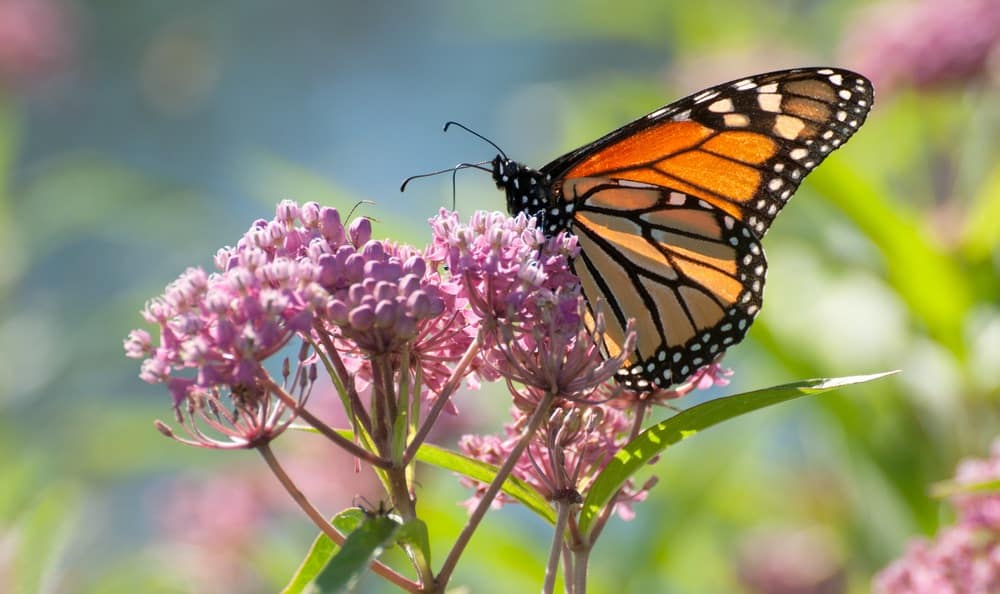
x,y
963,558
246,415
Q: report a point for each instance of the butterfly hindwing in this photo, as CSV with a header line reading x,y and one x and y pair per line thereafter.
x,y
691,275
744,146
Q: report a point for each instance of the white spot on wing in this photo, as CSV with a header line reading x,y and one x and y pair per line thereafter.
x,y
798,153
657,113
627,183
769,102
721,106
736,120
787,126
705,96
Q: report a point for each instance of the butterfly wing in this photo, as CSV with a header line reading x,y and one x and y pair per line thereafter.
x,y
743,146
690,274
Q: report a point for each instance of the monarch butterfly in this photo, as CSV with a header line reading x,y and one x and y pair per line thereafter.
x,y
669,210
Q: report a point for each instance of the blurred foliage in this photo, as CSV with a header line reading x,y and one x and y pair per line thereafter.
x,y
172,126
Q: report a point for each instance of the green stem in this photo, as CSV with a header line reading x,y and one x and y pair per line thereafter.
x,y
579,578
552,568
329,432
320,521
441,401
539,415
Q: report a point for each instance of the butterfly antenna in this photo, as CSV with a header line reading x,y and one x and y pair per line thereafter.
x,y
453,171
356,205
477,135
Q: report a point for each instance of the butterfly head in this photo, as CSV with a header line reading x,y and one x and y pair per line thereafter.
x,y
527,189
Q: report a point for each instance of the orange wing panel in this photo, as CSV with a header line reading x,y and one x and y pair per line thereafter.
x,y
719,283
749,147
647,146
715,174
630,242
623,199
688,220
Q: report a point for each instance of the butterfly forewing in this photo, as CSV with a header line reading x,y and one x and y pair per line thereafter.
x,y
743,146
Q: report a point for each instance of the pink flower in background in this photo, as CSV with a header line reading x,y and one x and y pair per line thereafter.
x,y
783,561
925,43
963,558
36,40
981,510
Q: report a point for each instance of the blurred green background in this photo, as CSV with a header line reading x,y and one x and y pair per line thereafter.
x,y
136,138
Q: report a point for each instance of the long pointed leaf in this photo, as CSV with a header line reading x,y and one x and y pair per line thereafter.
x,y
362,546
477,470
481,471
322,550
651,442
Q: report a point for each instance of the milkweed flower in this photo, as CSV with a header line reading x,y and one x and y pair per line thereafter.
x,y
300,278
574,444
964,558
502,261
925,43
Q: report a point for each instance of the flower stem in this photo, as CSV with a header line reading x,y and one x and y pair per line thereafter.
x,y
405,504
318,519
567,570
605,515
579,577
539,415
441,401
329,432
552,568
342,379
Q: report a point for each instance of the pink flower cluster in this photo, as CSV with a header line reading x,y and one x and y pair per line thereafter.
x,y
926,43
492,297
520,284
965,557
303,275
565,456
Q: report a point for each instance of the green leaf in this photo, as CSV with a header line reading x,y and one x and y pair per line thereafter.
x,y
651,442
481,471
982,231
415,535
43,531
933,286
361,547
950,488
477,470
322,550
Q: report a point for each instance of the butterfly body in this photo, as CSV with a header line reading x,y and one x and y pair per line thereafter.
x,y
669,209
